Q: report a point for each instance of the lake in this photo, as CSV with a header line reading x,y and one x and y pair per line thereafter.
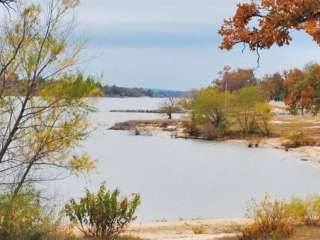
x,y
179,178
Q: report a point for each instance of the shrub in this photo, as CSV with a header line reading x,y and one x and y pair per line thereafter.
x,y
198,229
215,113
25,218
312,204
102,215
209,111
297,210
295,139
305,211
251,111
271,221
263,118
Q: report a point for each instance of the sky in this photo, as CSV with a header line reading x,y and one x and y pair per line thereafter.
x,y
171,44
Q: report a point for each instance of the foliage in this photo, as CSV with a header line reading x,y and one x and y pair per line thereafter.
x,y
298,138
305,211
312,206
21,217
264,23
102,215
234,80
273,86
41,125
271,221
185,104
263,116
278,219
209,107
26,218
214,113
251,111
302,89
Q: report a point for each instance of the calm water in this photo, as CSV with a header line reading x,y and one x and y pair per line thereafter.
x,y
185,178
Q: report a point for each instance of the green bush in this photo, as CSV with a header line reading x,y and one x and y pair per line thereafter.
x,y
215,113
251,111
102,215
209,112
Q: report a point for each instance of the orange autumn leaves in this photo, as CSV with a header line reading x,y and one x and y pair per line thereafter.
x,y
302,89
261,24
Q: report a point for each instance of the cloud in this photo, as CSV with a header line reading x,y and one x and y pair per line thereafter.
x,y
172,43
97,12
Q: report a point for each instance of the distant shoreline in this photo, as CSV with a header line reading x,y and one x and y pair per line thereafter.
x,y
143,111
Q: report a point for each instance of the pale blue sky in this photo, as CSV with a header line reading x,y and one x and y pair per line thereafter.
x,y
171,44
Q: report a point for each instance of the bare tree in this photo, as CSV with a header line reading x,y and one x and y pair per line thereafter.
x,y
7,3
169,107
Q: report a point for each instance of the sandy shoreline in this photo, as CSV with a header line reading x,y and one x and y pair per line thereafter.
x,y
306,153
202,229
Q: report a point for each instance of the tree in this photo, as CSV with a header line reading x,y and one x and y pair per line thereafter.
x,y
209,110
250,110
234,80
103,215
7,3
303,89
39,133
298,92
265,23
273,86
170,107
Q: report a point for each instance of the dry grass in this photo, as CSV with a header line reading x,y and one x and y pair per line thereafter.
x,y
183,230
306,233
309,124
199,229
129,237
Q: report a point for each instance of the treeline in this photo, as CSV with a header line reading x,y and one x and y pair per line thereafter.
x,y
273,85
298,88
116,91
17,87
12,85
